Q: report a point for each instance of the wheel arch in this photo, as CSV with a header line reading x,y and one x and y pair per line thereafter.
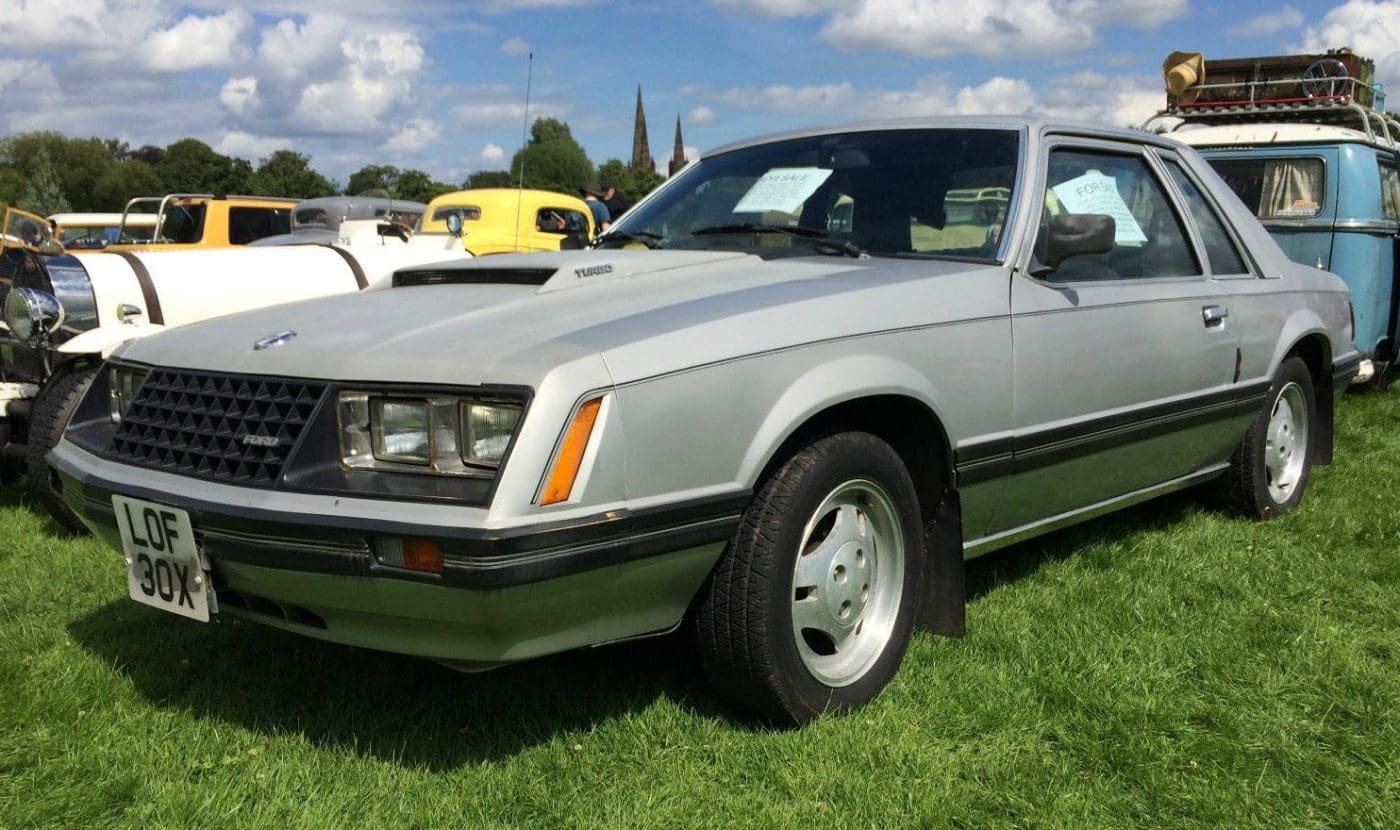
x,y
903,412
900,420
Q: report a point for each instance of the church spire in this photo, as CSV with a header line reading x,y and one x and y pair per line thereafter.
x,y
641,148
678,154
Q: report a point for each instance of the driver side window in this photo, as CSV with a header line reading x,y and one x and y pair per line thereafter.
x,y
1149,239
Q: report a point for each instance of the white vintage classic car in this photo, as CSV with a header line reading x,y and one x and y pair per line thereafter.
x,y
63,314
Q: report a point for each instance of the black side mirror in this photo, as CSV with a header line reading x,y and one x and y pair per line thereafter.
x,y
1072,234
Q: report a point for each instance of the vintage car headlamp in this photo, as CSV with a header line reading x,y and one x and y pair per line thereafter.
x,y
122,383
399,430
487,429
449,435
30,313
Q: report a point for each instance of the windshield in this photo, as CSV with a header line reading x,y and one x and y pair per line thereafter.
x,y
937,193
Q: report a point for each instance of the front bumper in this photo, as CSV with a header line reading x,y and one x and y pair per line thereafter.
x,y
304,563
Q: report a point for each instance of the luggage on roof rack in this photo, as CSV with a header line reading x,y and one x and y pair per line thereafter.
x,y
1334,87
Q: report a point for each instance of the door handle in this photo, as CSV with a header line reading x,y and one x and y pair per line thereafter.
x,y
1214,315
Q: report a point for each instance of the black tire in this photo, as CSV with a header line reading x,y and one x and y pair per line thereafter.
x,y
10,470
53,406
750,648
1251,488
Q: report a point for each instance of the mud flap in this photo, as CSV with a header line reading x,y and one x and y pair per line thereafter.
x,y
944,605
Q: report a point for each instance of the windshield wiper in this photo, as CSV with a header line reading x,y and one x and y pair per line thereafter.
x,y
816,237
647,238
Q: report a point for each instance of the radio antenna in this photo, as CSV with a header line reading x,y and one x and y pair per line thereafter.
x,y
524,133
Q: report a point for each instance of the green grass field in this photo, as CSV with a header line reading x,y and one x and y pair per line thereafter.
x,y
1165,667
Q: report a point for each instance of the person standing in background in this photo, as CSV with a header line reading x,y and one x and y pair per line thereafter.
x,y
616,204
593,196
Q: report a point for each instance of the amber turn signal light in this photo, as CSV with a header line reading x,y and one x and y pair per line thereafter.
x,y
422,555
410,554
566,463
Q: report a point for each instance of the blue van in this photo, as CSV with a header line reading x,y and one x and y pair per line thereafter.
x,y
1305,142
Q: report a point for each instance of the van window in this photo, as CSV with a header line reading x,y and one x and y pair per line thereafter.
x,y
1276,188
1390,190
247,224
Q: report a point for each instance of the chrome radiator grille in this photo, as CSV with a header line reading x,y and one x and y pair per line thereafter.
x,y
230,428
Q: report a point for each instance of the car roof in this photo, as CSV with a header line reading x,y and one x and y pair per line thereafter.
x,y
1029,124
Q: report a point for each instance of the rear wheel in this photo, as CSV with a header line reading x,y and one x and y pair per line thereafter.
x,y
53,407
811,606
1270,468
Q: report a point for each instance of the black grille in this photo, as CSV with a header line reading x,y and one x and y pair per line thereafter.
x,y
229,428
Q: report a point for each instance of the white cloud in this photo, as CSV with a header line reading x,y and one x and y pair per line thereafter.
x,y
249,146
37,25
503,6
491,154
991,28
929,96
198,42
516,47
240,95
1370,28
288,50
701,115
782,8
415,136
1098,98
375,80
389,53
1281,19
1085,96
29,80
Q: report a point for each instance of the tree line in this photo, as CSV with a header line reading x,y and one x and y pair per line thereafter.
x,y
47,172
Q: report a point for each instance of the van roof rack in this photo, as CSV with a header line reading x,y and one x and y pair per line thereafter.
x,y
1335,88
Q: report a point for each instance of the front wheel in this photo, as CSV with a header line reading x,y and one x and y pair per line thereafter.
x,y
811,606
1270,468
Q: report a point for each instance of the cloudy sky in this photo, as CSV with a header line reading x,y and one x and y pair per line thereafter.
x,y
440,85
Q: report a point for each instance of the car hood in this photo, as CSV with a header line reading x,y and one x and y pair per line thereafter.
x,y
513,319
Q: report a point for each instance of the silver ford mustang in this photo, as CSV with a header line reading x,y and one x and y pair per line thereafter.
x,y
783,398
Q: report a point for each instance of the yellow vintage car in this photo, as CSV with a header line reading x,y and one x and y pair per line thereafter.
x,y
501,220
189,220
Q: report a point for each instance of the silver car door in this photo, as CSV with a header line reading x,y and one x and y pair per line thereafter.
x,y
1123,361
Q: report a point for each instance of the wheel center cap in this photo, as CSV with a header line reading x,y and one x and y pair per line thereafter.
x,y
847,587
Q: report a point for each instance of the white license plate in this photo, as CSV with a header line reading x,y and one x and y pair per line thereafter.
x,y
162,561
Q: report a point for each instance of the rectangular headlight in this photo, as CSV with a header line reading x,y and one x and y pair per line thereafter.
x,y
487,429
122,383
445,434
400,430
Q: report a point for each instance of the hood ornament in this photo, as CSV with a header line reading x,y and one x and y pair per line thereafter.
x,y
273,340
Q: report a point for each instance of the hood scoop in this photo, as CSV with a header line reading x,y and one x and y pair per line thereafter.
x,y
472,276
